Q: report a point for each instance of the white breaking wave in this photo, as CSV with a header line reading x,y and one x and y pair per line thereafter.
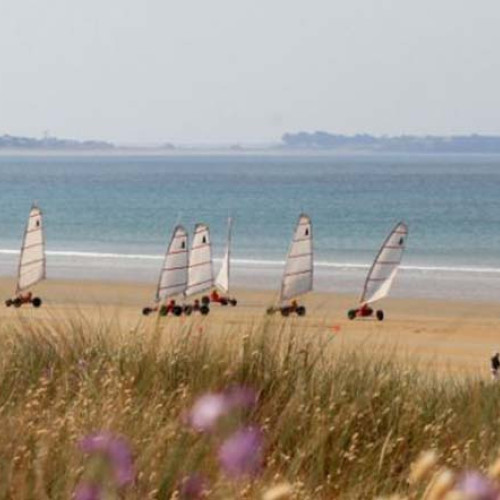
x,y
260,262
90,255
354,265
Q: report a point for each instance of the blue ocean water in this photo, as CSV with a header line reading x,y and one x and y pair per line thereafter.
x,y
110,216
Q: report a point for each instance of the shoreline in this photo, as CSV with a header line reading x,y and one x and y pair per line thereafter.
x,y
447,283
263,262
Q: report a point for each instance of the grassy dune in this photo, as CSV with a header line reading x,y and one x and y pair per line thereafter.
x,y
335,423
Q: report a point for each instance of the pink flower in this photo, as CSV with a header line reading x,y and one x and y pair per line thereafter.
x,y
241,453
209,408
87,491
478,487
82,365
193,487
241,397
116,451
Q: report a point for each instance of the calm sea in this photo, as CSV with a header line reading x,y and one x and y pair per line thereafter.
x,y
110,217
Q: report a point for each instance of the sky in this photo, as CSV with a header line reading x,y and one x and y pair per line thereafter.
x,y
228,71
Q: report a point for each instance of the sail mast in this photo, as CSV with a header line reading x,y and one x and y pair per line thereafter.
x,y
223,278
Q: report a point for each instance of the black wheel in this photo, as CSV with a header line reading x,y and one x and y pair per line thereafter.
x,y
351,314
380,315
204,309
17,302
223,301
285,311
177,310
163,310
146,311
8,302
301,311
188,310
233,302
270,310
205,300
36,301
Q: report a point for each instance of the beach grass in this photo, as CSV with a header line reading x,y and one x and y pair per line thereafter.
x,y
335,422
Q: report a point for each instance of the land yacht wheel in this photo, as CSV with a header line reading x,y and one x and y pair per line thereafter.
x,y
163,310
205,300
177,310
233,302
37,301
380,315
301,311
204,310
285,312
351,314
8,302
146,311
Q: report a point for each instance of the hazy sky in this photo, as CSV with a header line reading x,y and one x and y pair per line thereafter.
x,y
247,70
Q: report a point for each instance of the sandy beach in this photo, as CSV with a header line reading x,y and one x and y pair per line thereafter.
x,y
448,336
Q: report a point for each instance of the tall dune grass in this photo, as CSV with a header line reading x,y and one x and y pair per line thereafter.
x,y
336,423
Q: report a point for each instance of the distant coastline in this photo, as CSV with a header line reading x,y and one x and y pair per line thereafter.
x,y
308,143
320,140
17,143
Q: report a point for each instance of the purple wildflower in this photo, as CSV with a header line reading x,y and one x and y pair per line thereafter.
x,y
87,491
116,451
241,397
48,372
82,365
478,487
209,408
241,453
193,487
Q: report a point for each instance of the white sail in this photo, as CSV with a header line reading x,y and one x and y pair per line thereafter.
x,y
222,280
298,275
32,260
200,272
385,266
173,276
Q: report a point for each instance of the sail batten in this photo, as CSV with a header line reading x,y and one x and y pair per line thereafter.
x,y
298,275
200,272
173,275
222,280
385,266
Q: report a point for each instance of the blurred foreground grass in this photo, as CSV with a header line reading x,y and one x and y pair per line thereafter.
x,y
336,423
